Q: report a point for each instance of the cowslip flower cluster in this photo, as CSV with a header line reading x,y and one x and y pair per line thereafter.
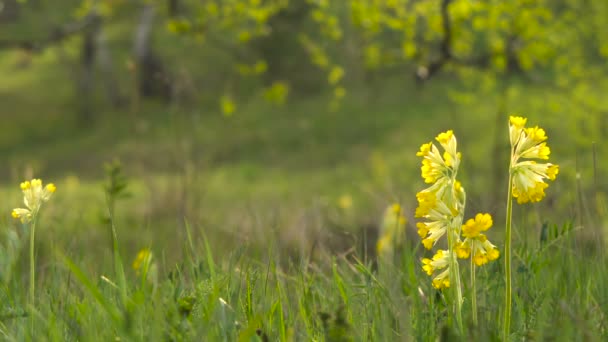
x,y
33,197
526,184
392,230
528,175
442,205
440,261
476,243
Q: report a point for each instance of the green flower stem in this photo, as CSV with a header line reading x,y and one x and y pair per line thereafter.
x,y
473,293
455,279
508,300
32,271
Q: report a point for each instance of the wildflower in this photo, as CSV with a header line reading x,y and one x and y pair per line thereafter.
x,y
33,197
473,227
345,202
440,218
441,205
526,184
142,260
440,261
475,242
528,176
392,230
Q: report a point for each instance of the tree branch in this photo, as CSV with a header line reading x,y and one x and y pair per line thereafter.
x,y
56,35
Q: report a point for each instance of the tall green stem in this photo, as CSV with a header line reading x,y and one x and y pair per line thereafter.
x,y
32,271
473,293
455,278
508,300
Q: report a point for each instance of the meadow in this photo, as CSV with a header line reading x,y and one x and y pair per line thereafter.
x,y
271,234
177,222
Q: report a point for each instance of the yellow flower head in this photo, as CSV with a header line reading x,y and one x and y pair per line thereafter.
x,y
426,202
345,202
439,220
473,227
463,251
424,150
552,171
392,230
33,197
383,246
445,137
440,261
529,176
143,259
435,165
480,247
528,180
518,121
442,280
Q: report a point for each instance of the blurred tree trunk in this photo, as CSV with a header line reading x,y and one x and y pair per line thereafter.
x,y
173,7
9,10
106,66
152,77
94,50
86,82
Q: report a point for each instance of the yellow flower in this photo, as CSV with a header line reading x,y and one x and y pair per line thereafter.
x,y
442,281
440,217
440,261
434,164
427,267
528,180
445,137
441,204
516,127
424,150
448,142
426,202
345,202
476,243
529,176
518,122
142,260
33,197
473,227
482,249
392,230
463,251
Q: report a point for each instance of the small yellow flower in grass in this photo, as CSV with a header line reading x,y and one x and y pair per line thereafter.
x,y
392,230
33,197
345,202
142,260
